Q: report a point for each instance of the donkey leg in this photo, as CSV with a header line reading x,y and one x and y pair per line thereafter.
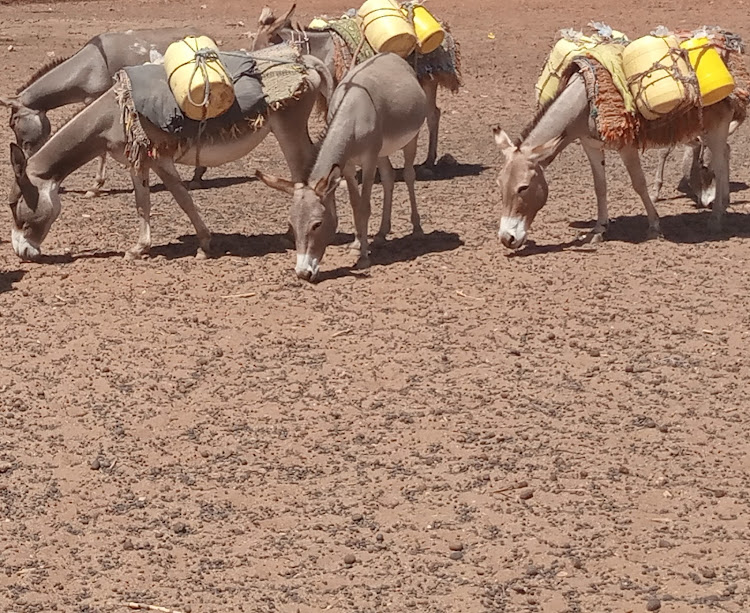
x,y
142,192
632,162
387,179
659,179
716,141
101,177
362,212
410,152
433,120
172,181
350,174
596,159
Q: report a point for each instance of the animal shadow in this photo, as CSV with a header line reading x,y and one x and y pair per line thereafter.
x,y
8,278
223,245
445,168
402,249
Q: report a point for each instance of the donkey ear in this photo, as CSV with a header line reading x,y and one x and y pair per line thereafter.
x,y
541,153
328,184
18,161
286,18
503,141
276,182
11,102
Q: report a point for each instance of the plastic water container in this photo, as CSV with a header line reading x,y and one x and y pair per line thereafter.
x,y
657,92
430,33
714,79
386,28
202,87
561,54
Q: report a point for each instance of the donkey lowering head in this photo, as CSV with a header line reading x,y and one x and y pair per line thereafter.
x,y
31,127
34,212
312,216
523,186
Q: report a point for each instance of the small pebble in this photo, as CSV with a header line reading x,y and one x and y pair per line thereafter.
x,y
653,604
379,537
708,573
95,464
526,494
350,559
456,546
11,48
357,517
456,555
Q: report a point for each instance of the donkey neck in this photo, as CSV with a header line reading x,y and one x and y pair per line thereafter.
x,y
562,116
79,141
337,147
58,87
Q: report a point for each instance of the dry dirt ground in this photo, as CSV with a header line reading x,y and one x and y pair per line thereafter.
x,y
216,436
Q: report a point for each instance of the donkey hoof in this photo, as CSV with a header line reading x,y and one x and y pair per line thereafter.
x,y
363,263
592,237
378,240
653,233
417,231
355,246
134,254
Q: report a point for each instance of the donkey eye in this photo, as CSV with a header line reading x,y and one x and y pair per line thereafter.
x,y
316,226
521,189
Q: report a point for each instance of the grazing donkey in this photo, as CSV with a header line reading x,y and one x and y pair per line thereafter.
x,y
82,77
568,118
99,129
376,110
320,43
698,180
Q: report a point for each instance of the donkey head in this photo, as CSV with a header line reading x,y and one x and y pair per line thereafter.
x,y
522,185
31,127
312,217
269,26
34,212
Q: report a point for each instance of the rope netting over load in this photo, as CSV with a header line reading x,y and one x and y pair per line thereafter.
x,y
615,96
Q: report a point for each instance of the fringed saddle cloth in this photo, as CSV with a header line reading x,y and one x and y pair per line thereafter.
x,y
617,126
264,81
443,64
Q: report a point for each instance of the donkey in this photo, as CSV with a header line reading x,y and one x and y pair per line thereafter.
x,y
82,77
697,180
319,43
566,119
367,122
99,129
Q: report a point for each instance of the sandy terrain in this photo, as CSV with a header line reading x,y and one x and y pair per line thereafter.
x,y
455,431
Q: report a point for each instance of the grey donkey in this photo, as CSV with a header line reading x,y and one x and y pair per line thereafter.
x,y
99,129
83,77
376,110
321,44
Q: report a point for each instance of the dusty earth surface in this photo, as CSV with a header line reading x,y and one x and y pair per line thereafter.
x,y
456,430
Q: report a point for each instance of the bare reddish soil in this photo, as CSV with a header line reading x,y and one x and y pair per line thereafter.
x,y
216,436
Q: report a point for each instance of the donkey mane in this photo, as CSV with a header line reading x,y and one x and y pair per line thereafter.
x,y
43,71
540,112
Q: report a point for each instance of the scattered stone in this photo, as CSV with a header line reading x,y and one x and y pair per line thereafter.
x,y
11,48
357,517
653,604
665,544
5,467
456,546
95,464
180,528
379,537
708,573
350,559
719,493
456,555
532,571
624,470
526,494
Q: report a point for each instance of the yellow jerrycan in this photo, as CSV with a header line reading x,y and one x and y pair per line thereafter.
x,y
564,50
430,33
650,64
714,79
199,81
386,28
